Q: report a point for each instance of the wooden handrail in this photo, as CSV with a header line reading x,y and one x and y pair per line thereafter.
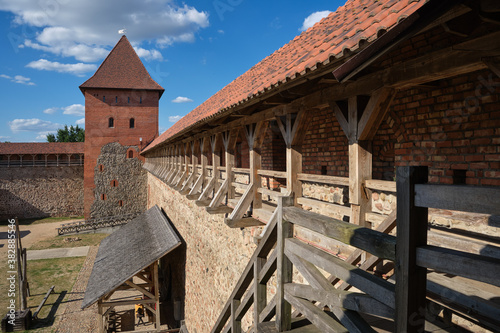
x,y
332,180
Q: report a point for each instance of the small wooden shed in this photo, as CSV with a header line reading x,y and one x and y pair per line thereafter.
x,y
131,252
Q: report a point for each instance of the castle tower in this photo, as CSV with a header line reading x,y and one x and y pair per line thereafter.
x,y
121,107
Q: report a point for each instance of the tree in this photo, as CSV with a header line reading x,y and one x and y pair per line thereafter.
x,y
71,134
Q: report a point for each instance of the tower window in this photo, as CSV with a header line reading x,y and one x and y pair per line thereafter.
x,y
130,154
111,122
116,99
103,196
120,203
101,167
128,99
104,98
140,100
114,183
132,123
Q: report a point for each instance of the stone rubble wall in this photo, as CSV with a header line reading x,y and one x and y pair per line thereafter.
x,y
216,255
32,192
130,186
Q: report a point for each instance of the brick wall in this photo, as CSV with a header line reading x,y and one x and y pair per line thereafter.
x,y
31,192
121,105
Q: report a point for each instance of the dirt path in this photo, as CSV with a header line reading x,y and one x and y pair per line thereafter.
x,y
31,234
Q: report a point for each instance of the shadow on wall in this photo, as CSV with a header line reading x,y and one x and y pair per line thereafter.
x,y
12,206
173,283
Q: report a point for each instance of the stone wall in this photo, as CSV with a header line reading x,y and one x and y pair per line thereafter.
x,y
120,182
32,192
215,254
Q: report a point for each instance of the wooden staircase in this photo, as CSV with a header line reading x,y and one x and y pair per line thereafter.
x,y
350,298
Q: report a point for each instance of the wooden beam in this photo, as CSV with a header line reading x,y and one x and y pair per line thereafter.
x,y
412,233
243,204
360,170
374,113
139,288
157,295
220,194
284,270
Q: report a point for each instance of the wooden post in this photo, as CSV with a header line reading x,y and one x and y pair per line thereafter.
x,y
284,268
215,160
255,136
411,233
204,142
229,139
235,324
260,291
100,317
157,295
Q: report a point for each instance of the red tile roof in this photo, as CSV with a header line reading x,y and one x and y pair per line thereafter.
x,y
328,40
35,148
122,69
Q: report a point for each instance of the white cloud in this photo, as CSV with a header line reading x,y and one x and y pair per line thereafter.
x,y
76,69
148,54
314,18
50,110
32,125
220,31
180,99
43,135
174,119
19,79
80,121
87,29
4,137
75,110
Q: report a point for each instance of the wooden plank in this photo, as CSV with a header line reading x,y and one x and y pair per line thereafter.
x,y
269,311
243,204
344,299
381,185
325,207
244,222
284,269
472,266
464,297
272,173
364,281
208,189
377,243
245,303
412,232
351,320
35,314
332,180
129,302
457,242
240,185
271,193
220,194
219,210
268,269
197,185
486,200
241,170
316,316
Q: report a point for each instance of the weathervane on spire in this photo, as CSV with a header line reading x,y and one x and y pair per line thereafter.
x,y
122,31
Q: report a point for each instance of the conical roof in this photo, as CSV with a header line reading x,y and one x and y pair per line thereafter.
x,y
122,69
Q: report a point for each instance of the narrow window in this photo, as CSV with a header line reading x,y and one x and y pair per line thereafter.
x,y
114,183
101,167
104,98
120,203
130,154
128,100
111,122
103,196
116,99
132,123
140,100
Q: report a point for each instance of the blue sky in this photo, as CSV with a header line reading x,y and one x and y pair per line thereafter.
x,y
192,49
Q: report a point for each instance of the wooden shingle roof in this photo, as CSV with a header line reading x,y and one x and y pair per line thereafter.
x,y
122,69
135,246
344,31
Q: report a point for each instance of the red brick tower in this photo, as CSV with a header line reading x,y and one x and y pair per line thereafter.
x,y
121,105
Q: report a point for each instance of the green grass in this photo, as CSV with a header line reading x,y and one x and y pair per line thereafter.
x,y
43,220
58,241
42,274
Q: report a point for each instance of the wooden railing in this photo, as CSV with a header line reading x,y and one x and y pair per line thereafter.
x,y
402,302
